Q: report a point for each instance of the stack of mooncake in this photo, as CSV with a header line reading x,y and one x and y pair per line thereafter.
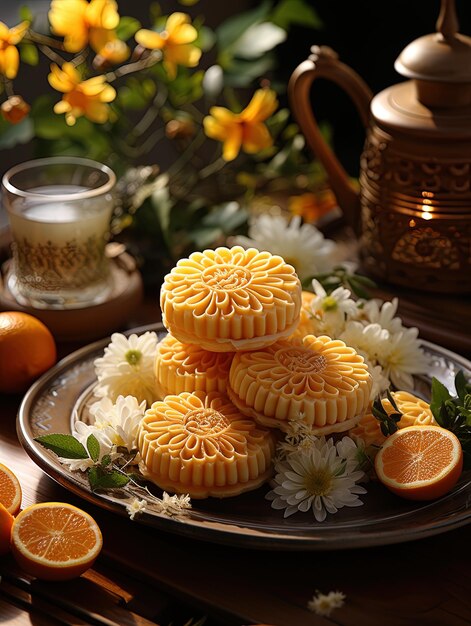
x,y
231,376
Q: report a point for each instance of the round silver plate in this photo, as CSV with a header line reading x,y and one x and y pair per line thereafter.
x,y
65,391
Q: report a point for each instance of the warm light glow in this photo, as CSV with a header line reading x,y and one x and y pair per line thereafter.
x,y
412,224
426,205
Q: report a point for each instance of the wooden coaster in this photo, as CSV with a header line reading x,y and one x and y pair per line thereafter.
x,y
92,322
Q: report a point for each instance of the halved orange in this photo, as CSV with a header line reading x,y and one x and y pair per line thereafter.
x,y
420,462
6,522
10,490
55,540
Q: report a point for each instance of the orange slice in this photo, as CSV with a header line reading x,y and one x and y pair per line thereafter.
x,y
55,540
420,462
10,490
6,522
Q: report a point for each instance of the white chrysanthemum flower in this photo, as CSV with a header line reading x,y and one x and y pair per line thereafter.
x,y
303,246
317,479
127,367
403,357
174,505
382,313
323,604
136,506
121,418
370,341
81,432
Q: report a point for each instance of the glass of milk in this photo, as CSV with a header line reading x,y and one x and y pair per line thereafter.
x,y
59,211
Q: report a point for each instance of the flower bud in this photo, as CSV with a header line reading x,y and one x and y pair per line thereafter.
x,y
180,128
15,109
113,52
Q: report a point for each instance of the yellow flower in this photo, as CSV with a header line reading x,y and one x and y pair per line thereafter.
x,y
81,22
245,129
175,42
9,57
312,206
88,97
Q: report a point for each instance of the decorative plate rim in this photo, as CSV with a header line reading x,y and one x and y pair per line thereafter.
x,y
203,526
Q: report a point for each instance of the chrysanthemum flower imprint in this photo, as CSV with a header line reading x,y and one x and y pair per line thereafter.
x,y
231,299
322,379
200,444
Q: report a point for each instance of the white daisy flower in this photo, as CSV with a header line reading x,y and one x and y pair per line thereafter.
x,y
302,246
136,506
81,432
402,357
323,604
127,367
317,479
338,300
333,310
120,420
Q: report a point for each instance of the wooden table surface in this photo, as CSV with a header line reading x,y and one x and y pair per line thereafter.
x,y
144,576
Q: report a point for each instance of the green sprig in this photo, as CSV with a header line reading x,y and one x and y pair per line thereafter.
x,y
454,412
388,422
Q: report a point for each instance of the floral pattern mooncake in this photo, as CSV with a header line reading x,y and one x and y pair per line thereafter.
x,y
231,299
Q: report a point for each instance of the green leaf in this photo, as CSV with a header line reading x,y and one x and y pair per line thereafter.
x,y
162,204
440,395
461,385
106,460
206,38
127,27
14,134
26,14
29,53
289,12
205,237
100,478
234,27
241,72
93,447
65,446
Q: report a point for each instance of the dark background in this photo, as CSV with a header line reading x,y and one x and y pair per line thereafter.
x,y
367,35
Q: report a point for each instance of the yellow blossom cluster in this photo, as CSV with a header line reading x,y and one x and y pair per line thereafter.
x,y
94,23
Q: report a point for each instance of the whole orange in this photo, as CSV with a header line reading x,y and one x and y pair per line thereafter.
x,y
27,350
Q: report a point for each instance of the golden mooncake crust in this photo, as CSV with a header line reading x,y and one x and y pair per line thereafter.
x,y
320,378
415,412
183,367
231,299
200,444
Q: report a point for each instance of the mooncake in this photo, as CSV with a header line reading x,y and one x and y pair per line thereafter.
x,y
415,412
187,367
231,299
321,379
200,444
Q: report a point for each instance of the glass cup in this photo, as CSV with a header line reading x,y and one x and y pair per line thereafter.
x,y
59,211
